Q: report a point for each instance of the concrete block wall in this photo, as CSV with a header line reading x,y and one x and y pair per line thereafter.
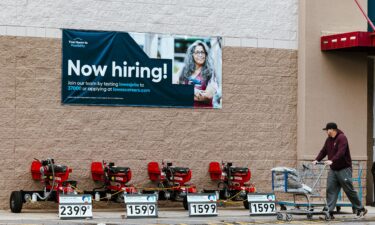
x,y
256,127
254,23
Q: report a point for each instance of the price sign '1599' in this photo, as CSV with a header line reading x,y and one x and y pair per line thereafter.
x,y
262,207
203,208
141,210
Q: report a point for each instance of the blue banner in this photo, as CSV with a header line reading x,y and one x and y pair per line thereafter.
x,y
111,68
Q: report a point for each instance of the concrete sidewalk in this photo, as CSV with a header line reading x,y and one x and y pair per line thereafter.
x,y
174,216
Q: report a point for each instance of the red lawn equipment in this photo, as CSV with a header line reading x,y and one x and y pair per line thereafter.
x,y
114,179
53,177
171,181
232,181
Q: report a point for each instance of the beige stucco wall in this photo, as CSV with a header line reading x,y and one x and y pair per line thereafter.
x,y
256,127
332,86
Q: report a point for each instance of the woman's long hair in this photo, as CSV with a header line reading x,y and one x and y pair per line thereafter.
x,y
189,68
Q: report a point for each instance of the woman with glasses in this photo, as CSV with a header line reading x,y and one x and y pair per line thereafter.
x,y
199,71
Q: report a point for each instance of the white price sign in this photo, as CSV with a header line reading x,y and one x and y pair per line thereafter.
x,y
141,205
80,211
202,204
262,203
75,206
262,208
203,209
141,210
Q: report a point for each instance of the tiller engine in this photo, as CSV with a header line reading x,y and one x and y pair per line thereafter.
x,y
54,179
171,181
114,179
233,181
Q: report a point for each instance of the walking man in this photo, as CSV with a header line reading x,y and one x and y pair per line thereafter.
x,y
336,147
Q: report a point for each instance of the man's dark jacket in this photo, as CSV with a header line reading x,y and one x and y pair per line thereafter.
x,y
338,152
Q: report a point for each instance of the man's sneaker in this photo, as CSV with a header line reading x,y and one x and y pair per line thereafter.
x,y
361,212
328,217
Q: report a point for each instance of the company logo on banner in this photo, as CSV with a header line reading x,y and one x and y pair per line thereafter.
x,y
140,69
78,43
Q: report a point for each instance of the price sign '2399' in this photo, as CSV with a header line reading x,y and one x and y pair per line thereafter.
x,y
75,206
74,210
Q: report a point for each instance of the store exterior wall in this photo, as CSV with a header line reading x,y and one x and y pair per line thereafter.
x,y
257,126
257,23
332,86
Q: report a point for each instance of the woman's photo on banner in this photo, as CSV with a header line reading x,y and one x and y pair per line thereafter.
x,y
201,67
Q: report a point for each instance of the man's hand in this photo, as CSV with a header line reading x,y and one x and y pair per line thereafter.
x,y
328,162
315,162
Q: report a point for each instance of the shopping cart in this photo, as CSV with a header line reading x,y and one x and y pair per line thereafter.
x,y
304,184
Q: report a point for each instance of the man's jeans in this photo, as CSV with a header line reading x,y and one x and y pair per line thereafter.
x,y
336,180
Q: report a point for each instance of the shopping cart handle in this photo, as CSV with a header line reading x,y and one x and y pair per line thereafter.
x,y
320,163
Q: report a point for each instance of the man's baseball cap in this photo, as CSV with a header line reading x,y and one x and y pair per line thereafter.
x,y
330,126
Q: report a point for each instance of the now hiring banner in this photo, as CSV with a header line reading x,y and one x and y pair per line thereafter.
x,y
140,69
